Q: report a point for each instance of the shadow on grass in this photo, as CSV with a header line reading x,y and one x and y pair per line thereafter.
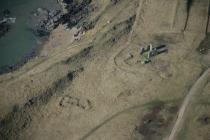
x,y
189,4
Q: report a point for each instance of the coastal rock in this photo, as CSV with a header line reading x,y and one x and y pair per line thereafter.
x,y
42,11
44,20
4,28
6,12
77,10
5,22
47,20
71,13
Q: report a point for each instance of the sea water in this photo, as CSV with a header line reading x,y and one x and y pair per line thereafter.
x,y
20,40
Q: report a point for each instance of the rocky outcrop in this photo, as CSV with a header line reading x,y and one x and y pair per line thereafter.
x,y
5,21
4,28
77,10
71,13
46,20
42,21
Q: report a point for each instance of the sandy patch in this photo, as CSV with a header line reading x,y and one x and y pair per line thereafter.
x,y
61,36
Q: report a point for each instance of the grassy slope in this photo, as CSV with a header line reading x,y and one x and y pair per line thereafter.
x,y
92,87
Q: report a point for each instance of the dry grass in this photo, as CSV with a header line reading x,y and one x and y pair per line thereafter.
x,y
109,93
197,124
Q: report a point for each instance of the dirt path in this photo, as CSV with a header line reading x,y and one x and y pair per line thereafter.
x,y
111,118
196,89
144,21
135,24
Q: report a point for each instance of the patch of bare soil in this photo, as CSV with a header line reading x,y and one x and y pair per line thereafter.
x,y
204,119
159,118
59,37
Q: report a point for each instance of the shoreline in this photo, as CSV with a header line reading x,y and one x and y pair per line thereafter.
x,y
35,25
60,36
62,29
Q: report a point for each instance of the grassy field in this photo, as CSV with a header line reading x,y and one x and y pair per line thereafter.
x,y
197,124
93,88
